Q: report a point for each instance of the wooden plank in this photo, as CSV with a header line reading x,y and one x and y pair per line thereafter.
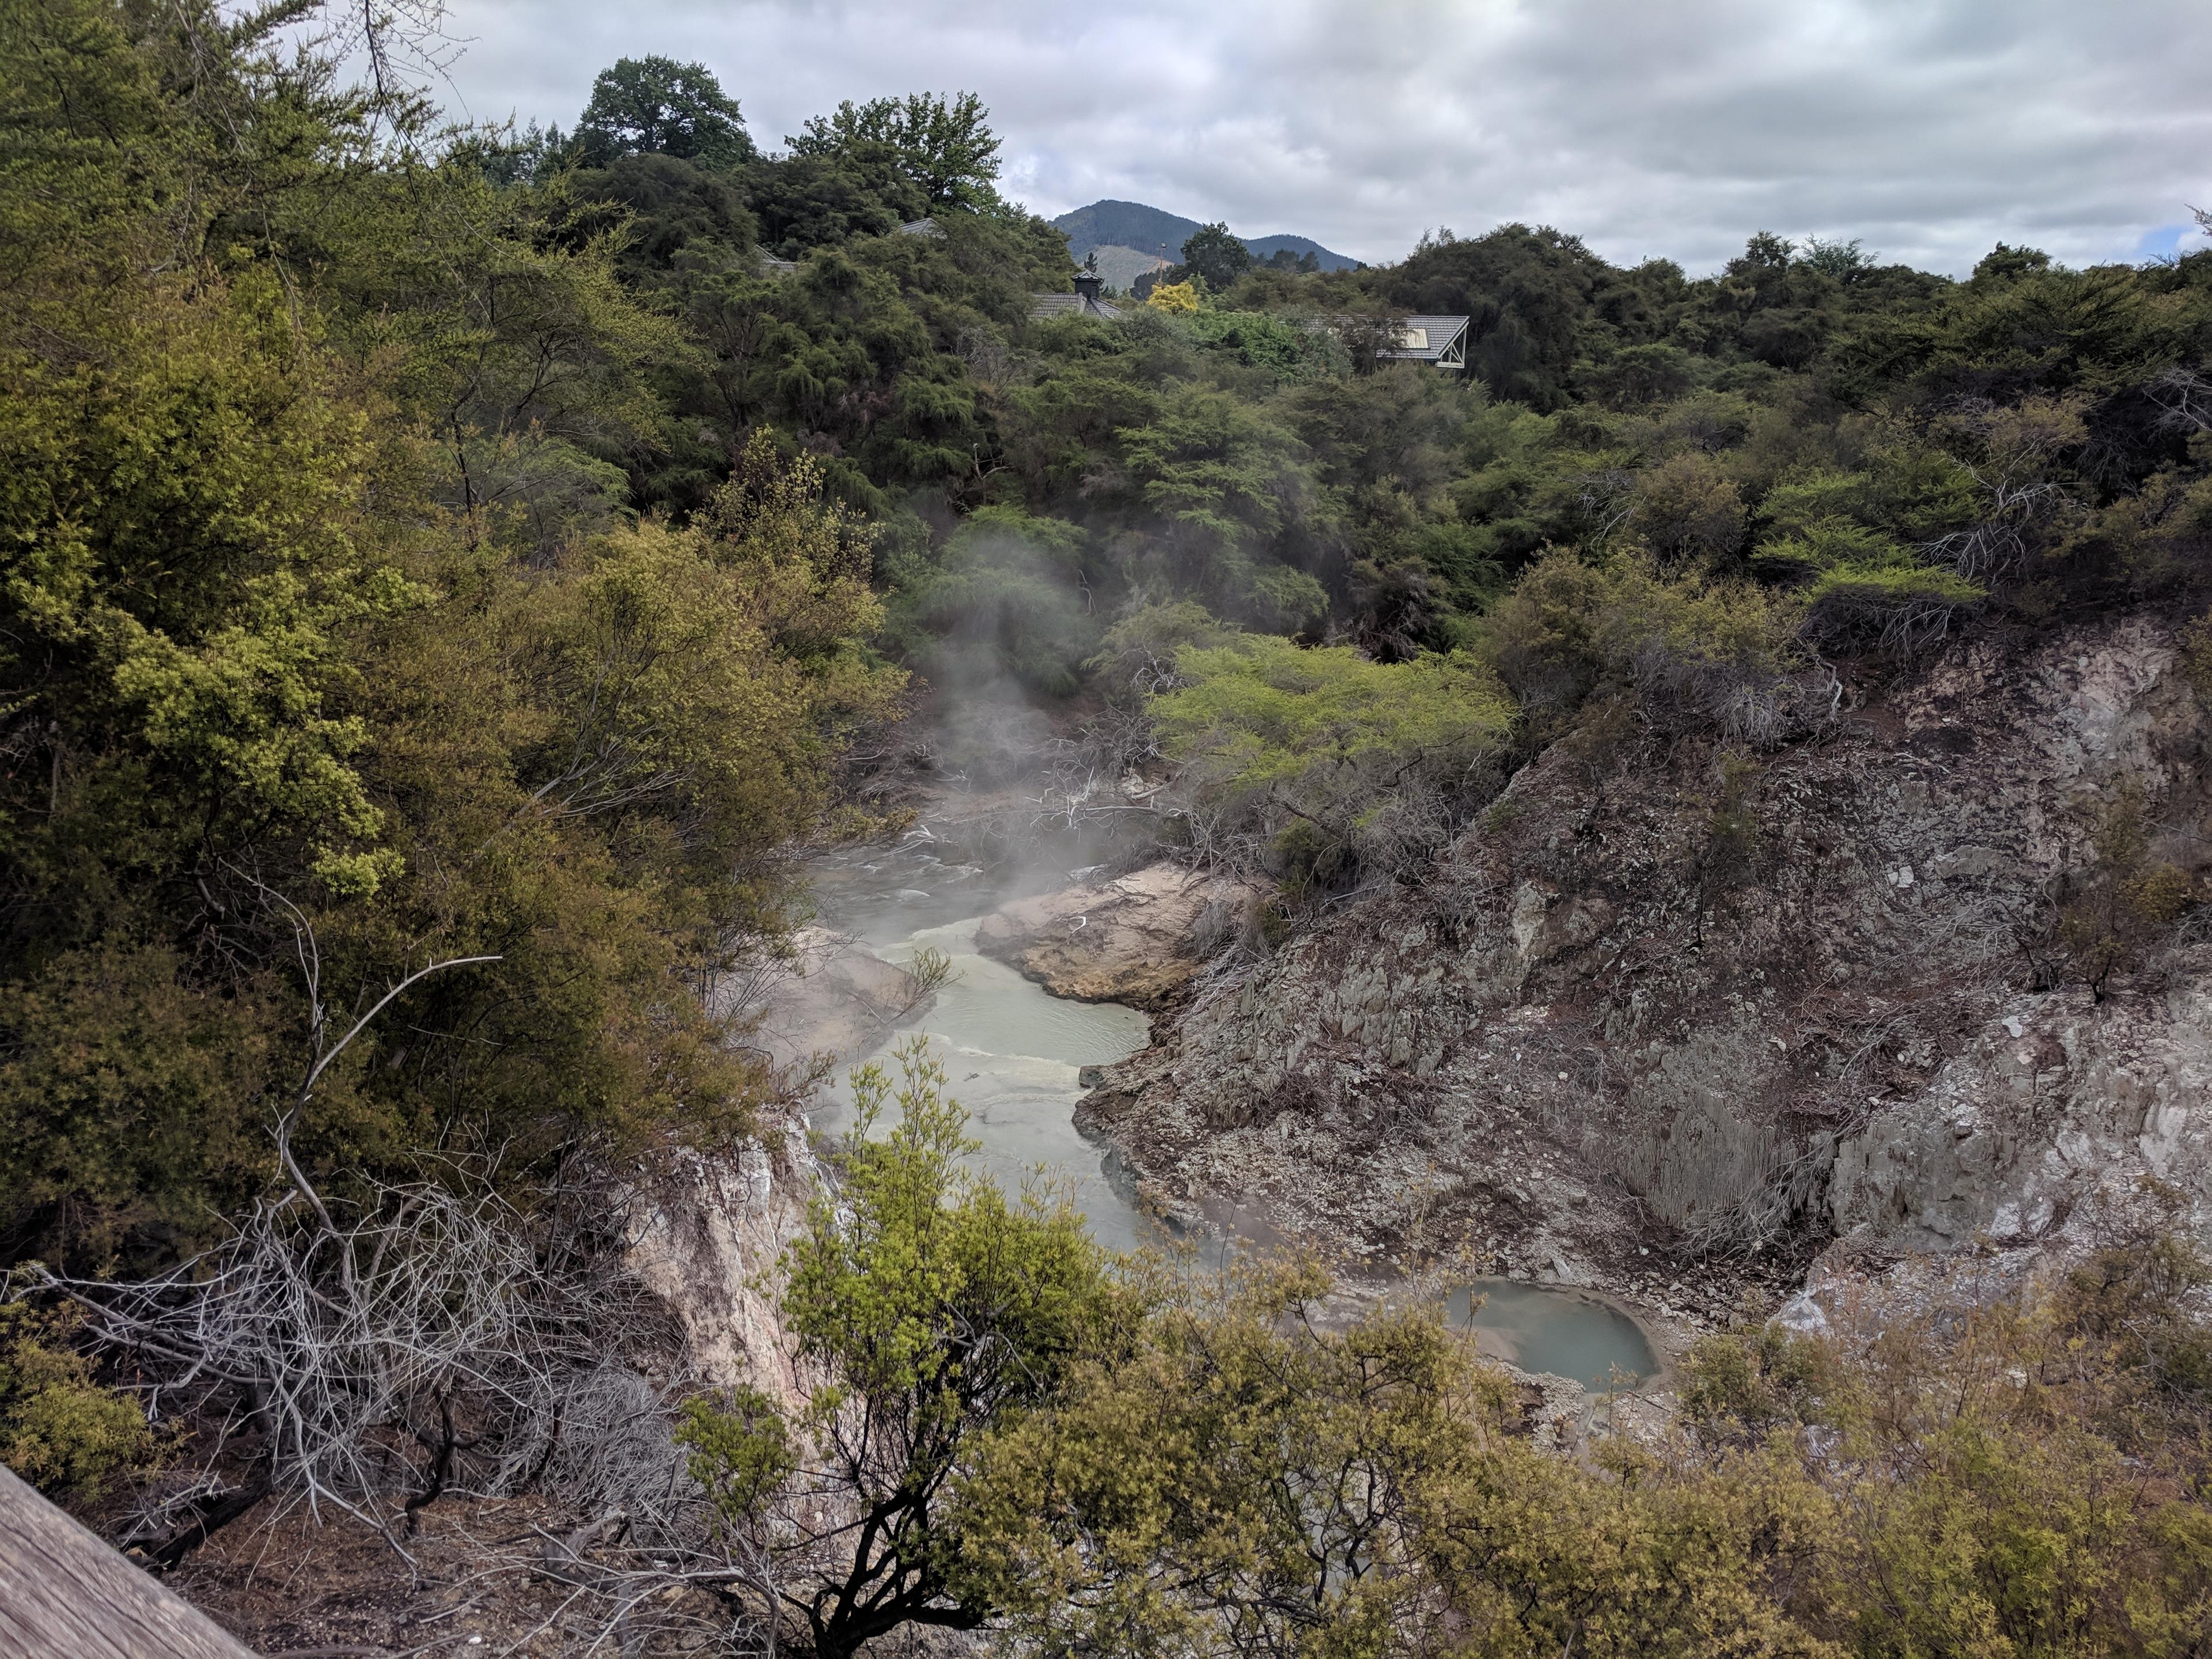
x,y
65,1595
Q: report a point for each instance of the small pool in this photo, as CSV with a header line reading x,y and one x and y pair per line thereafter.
x,y
1542,1328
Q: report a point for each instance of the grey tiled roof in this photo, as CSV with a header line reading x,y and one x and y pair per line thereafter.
x,y
1072,305
1432,340
921,228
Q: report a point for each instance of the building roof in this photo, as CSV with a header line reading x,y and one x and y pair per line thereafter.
x,y
1072,305
924,227
1438,340
64,1595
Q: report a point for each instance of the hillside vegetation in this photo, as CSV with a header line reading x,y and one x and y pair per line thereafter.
x,y
441,572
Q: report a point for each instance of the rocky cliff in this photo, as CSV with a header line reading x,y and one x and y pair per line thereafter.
x,y
706,1233
1695,1005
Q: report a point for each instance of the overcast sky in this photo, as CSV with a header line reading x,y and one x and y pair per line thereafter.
x,y
1929,128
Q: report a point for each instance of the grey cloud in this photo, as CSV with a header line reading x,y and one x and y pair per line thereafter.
x,y
1930,129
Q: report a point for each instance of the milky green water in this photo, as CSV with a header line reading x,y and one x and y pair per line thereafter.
x,y
1014,1057
1540,1329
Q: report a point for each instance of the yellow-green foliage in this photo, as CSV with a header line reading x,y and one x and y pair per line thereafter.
x,y
1329,757
1882,554
319,627
1248,1479
1854,578
1148,1458
59,1429
897,1277
740,1449
1258,340
2017,1479
2020,1478
1239,1480
1696,653
934,1310
1138,655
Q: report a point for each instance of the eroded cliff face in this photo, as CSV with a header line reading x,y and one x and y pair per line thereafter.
x,y
1660,1003
2056,1115
706,1233
706,1236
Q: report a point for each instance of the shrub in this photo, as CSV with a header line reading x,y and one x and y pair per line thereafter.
x,y
59,1429
1321,767
1862,589
2111,912
1698,656
1739,1386
1261,341
1007,598
1687,510
934,1309
1138,656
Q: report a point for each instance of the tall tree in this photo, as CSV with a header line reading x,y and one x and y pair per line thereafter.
x,y
1217,256
944,145
657,107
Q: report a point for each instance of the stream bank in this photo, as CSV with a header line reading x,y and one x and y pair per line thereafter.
x,y
1020,1055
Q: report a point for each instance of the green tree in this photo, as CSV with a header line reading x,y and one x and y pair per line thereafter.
x,y
1242,1481
944,145
1213,254
1228,485
655,105
1840,259
937,1312
2004,264
1325,767
325,626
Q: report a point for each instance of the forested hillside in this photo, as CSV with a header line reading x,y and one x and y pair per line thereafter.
x,y
443,573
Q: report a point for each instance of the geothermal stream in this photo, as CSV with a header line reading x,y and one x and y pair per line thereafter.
x,y
1015,1055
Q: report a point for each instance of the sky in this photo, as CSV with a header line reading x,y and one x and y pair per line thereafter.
x,y
1928,129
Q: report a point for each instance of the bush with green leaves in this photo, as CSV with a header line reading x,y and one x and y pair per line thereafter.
x,y
59,1429
1006,597
1693,655
1324,768
1289,349
931,1311
328,649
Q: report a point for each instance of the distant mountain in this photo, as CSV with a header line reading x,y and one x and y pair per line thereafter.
x,y
1265,247
1148,231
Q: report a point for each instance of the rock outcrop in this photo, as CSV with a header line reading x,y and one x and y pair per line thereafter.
x,y
1139,939
1659,1002
706,1233
831,996
2055,1112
